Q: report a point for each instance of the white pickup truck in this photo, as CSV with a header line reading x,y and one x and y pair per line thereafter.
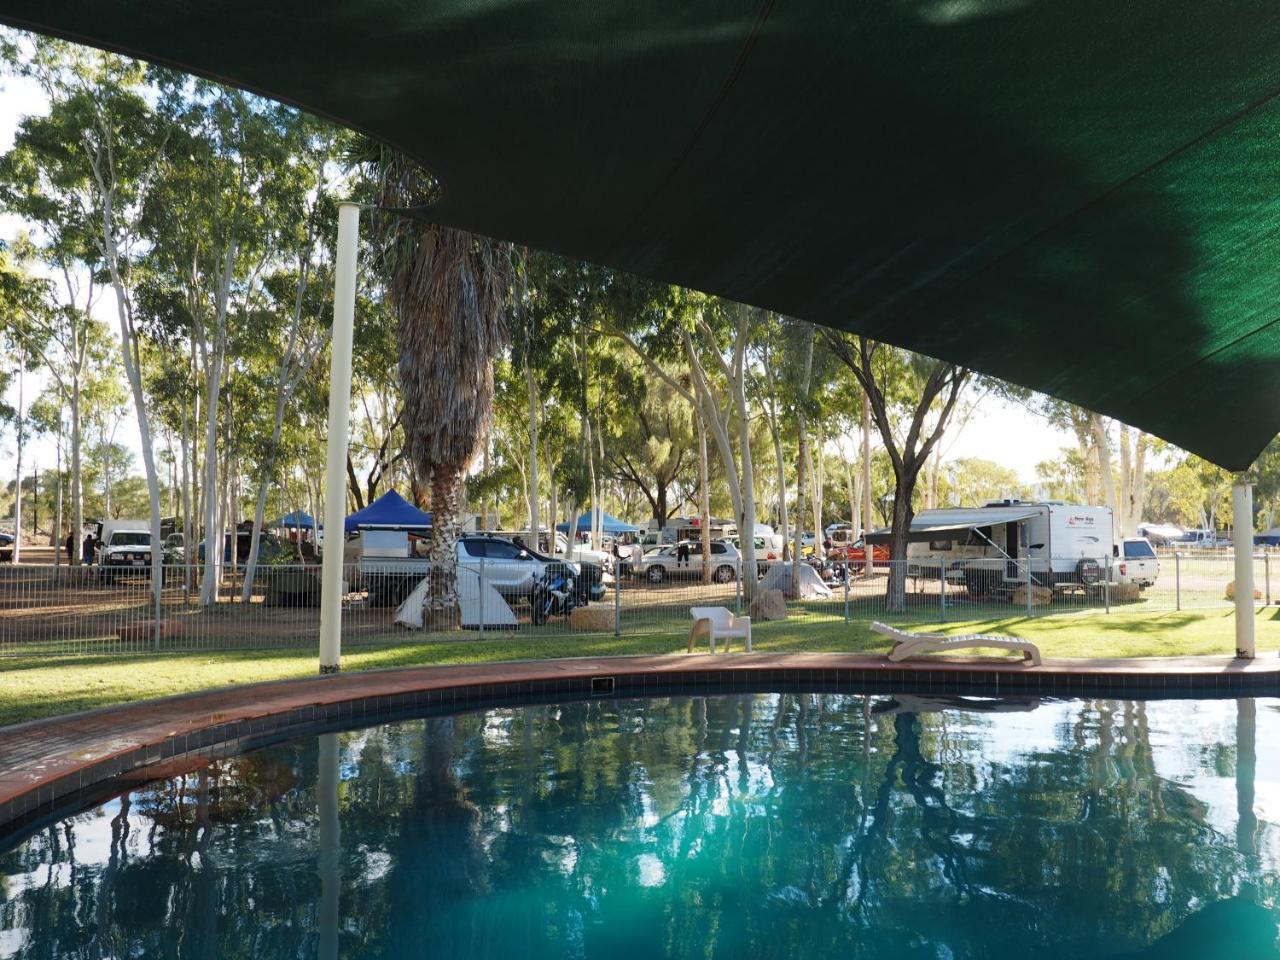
x,y
1134,560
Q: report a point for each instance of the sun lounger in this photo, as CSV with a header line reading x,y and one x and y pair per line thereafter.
x,y
908,645
716,622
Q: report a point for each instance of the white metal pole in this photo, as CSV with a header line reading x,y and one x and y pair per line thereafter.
x,y
335,499
1242,539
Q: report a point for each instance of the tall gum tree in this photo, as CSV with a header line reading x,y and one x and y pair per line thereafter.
x,y
101,143
911,400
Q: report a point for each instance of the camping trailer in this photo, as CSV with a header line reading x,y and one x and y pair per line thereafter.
x,y
990,548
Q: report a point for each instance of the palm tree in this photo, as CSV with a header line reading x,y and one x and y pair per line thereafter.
x,y
449,289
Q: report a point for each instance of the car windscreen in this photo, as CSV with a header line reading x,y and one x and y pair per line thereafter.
x,y
130,538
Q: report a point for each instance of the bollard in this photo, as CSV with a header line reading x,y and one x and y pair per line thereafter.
x,y
617,600
1177,581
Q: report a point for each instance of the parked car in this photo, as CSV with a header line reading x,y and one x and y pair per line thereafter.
x,y
515,572
270,547
856,552
6,547
1135,562
125,551
175,549
664,564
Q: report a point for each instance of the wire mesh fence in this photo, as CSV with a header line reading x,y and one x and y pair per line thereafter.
x,y
94,610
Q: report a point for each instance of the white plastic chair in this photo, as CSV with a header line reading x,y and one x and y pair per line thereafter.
x,y
717,622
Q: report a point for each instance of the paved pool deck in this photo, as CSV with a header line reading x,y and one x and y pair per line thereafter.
x,y
50,767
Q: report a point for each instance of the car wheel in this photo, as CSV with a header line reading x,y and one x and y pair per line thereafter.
x,y
723,574
657,574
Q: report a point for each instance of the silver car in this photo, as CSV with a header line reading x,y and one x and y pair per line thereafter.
x,y
665,564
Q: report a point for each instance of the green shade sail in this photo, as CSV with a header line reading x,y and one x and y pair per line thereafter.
x,y
1079,196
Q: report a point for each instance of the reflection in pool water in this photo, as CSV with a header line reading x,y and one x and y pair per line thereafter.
x,y
805,826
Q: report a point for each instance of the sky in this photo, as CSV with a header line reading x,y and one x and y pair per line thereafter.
x,y
1007,434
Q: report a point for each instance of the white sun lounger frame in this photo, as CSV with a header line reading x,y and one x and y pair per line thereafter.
x,y
906,644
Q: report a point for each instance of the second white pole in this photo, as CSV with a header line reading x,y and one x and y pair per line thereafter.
x,y
1242,541
335,476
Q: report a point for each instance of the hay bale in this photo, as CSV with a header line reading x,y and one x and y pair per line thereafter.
x,y
1125,592
768,605
597,618
1040,596
146,630
1231,591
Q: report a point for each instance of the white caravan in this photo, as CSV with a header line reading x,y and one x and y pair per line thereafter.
x,y
990,548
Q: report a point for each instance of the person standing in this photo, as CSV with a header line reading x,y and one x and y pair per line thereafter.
x,y
70,545
682,554
87,549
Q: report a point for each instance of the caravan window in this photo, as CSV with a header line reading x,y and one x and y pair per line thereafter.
x,y
939,544
978,537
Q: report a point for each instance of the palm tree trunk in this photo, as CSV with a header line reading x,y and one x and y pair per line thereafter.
x,y
440,607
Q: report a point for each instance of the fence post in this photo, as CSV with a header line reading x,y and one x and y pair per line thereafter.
x,y
1106,586
1177,581
617,599
737,590
846,590
942,587
482,616
1029,604
1266,573
156,592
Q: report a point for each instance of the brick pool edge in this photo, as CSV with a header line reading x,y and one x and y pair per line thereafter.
x,y
53,766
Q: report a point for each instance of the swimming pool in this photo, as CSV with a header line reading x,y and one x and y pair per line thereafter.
x,y
738,826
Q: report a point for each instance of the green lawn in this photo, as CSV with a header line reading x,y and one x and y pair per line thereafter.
x,y
44,686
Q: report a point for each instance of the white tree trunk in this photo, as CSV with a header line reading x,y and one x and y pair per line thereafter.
x,y
17,490
128,346
1105,474
77,490
704,500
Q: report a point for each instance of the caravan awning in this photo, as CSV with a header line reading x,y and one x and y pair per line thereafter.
x,y
939,520
925,526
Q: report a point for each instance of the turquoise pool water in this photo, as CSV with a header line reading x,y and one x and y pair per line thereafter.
x,y
745,826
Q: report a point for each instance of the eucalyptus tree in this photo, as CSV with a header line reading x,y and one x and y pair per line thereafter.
x,y
377,435
911,400
42,182
92,159
298,298
656,446
233,204
712,337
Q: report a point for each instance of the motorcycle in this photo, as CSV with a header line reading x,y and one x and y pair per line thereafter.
x,y
830,569
553,595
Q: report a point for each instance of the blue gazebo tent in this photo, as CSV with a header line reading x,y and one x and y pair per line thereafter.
x,y
297,520
609,524
389,510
